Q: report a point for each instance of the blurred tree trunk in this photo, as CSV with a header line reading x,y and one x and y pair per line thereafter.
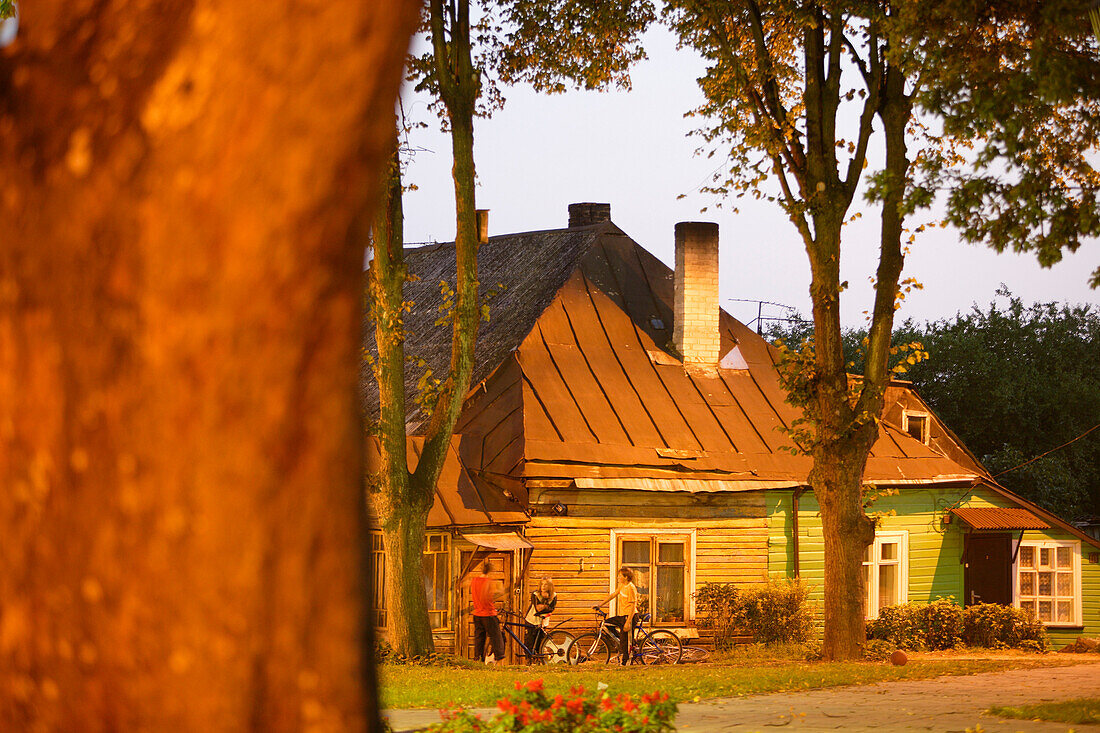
x,y
184,200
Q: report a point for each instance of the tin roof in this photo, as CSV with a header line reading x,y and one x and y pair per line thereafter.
x,y
575,376
461,498
1000,518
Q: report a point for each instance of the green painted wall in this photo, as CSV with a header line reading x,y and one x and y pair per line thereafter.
x,y
935,549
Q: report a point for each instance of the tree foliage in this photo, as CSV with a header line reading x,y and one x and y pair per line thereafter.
x,y
960,95
1012,382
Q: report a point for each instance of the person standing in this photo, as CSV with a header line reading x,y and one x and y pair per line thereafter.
x,y
543,602
486,624
626,604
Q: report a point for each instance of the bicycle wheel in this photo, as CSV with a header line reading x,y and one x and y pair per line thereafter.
x,y
694,654
555,647
660,646
588,648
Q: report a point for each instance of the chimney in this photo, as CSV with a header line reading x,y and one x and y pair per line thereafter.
x,y
482,217
695,327
586,214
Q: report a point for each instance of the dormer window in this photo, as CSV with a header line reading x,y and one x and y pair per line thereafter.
x,y
916,424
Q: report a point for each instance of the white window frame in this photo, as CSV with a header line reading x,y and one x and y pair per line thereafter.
x,y
1078,614
927,417
871,591
659,533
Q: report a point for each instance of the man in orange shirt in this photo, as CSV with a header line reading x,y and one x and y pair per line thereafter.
x,y
486,623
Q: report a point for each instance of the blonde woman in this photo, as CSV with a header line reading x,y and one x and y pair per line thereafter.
x,y
543,602
626,604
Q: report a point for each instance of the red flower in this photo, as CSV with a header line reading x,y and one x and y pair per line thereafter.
x,y
519,685
575,706
533,686
557,702
646,699
629,706
645,720
607,703
578,690
506,705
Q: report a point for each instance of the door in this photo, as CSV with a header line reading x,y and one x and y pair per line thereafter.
x,y
500,570
988,569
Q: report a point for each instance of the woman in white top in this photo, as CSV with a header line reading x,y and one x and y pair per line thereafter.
x,y
627,607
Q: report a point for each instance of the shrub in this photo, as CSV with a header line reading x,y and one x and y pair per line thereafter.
x,y
944,625
531,711
995,626
903,626
775,612
878,650
716,605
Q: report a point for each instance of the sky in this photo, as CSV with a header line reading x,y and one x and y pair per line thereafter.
x,y
632,150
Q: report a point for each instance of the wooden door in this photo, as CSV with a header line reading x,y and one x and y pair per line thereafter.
x,y
500,570
989,569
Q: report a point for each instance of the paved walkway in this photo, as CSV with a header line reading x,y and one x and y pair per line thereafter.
x,y
942,704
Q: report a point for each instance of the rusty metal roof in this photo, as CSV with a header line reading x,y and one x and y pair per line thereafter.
x,y
461,498
1000,518
576,377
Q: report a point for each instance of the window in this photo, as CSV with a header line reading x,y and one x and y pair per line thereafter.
x,y
916,424
885,572
1048,581
436,568
378,592
662,570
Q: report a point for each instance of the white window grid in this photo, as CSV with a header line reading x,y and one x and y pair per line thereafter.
x,y
1036,558
871,591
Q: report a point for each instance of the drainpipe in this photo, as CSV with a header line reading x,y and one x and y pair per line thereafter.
x,y
794,527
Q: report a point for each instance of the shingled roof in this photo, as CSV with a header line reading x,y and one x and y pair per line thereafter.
x,y
519,274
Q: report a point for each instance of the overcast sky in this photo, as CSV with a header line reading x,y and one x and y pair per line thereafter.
x,y
631,149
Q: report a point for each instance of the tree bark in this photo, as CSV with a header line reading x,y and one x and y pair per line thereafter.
x,y
184,196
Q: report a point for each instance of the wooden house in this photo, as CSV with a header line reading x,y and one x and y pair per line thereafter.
x,y
633,422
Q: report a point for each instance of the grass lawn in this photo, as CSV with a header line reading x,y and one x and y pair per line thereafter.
x,y
1081,710
473,685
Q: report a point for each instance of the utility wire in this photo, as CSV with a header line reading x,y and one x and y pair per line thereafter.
x,y
1063,445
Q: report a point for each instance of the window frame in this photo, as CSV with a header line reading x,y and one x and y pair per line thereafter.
x,y
379,613
655,535
871,592
436,555
926,417
1075,546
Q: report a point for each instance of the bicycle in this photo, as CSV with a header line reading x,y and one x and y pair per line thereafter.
x,y
656,646
553,647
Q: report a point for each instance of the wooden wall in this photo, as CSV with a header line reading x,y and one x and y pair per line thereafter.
x,y
575,553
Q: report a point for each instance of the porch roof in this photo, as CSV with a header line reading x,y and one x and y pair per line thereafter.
x,y
1000,518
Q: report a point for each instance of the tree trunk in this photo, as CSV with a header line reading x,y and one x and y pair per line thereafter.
x,y
840,455
181,529
410,631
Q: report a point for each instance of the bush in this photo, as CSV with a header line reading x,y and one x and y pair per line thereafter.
x,y
902,626
776,612
995,626
531,711
944,625
878,650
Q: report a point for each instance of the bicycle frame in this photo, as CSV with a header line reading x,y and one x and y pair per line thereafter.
x,y
507,625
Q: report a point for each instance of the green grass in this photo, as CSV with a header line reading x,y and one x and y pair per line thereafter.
x,y
1080,710
470,685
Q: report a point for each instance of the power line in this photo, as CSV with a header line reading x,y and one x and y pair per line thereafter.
x,y
1063,445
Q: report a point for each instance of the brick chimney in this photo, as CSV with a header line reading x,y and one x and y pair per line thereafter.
x,y
695,327
482,219
586,214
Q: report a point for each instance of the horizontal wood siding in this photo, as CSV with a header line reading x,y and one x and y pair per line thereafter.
x,y
935,550
575,553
